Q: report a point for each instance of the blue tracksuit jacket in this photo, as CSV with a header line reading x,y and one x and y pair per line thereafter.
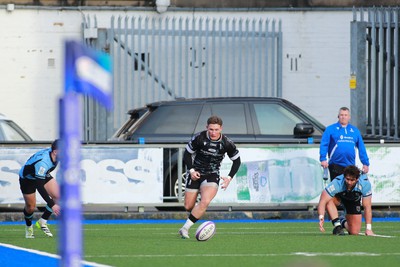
x,y
340,144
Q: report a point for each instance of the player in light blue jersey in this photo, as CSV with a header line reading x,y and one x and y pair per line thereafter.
x,y
35,175
352,190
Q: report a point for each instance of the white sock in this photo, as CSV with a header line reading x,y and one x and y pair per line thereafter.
x,y
42,221
188,224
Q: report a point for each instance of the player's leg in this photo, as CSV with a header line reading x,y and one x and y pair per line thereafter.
x,y
28,190
353,224
191,192
208,186
53,190
207,191
331,208
190,202
30,205
190,199
42,222
353,216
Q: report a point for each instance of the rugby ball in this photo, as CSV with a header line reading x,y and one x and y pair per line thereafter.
x,y
205,231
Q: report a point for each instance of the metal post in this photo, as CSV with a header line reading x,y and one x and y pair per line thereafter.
x,y
358,71
70,244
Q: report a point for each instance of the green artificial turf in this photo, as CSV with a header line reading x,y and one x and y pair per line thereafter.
x,y
234,244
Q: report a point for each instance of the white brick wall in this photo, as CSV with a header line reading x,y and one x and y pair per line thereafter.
x,y
31,56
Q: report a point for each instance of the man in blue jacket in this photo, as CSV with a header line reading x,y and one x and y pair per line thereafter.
x,y
339,143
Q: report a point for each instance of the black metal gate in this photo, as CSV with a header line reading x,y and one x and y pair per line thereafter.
x,y
374,80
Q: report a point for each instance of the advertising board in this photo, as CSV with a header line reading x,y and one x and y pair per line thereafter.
x,y
268,175
109,175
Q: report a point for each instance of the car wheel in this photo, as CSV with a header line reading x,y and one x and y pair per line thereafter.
x,y
175,185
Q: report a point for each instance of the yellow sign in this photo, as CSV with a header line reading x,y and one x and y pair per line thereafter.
x,y
353,82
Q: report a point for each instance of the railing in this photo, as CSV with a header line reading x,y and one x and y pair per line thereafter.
x,y
375,71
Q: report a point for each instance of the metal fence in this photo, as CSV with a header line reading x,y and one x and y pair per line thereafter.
x,y
164,58
375,71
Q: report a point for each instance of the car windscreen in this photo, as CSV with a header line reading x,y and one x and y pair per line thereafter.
x,y
171,119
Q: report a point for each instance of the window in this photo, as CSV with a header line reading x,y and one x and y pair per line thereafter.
x,y
171,120
232,115
275,119
9,132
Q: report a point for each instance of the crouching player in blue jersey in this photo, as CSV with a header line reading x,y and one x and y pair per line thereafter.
x,y
35,175
351,190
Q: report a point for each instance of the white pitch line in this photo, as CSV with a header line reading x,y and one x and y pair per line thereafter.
x,y
296,254
385,236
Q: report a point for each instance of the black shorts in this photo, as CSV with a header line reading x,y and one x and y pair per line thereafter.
x,y
28,186
351,206
206,178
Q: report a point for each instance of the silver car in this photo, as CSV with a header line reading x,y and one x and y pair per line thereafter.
x,y
10,131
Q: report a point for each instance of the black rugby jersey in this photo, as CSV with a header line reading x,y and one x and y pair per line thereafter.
x,y
208,155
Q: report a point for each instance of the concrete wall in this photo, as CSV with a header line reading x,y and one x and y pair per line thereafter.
x,y
210,3
31,56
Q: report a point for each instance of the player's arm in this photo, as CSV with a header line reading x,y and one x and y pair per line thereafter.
x,y
323,146
187,158
323,200
362,153
367,205
234,155
234,168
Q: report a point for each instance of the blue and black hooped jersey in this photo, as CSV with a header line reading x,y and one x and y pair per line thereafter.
x,y
38,166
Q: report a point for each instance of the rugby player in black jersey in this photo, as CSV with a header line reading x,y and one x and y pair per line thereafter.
x,y
203,156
